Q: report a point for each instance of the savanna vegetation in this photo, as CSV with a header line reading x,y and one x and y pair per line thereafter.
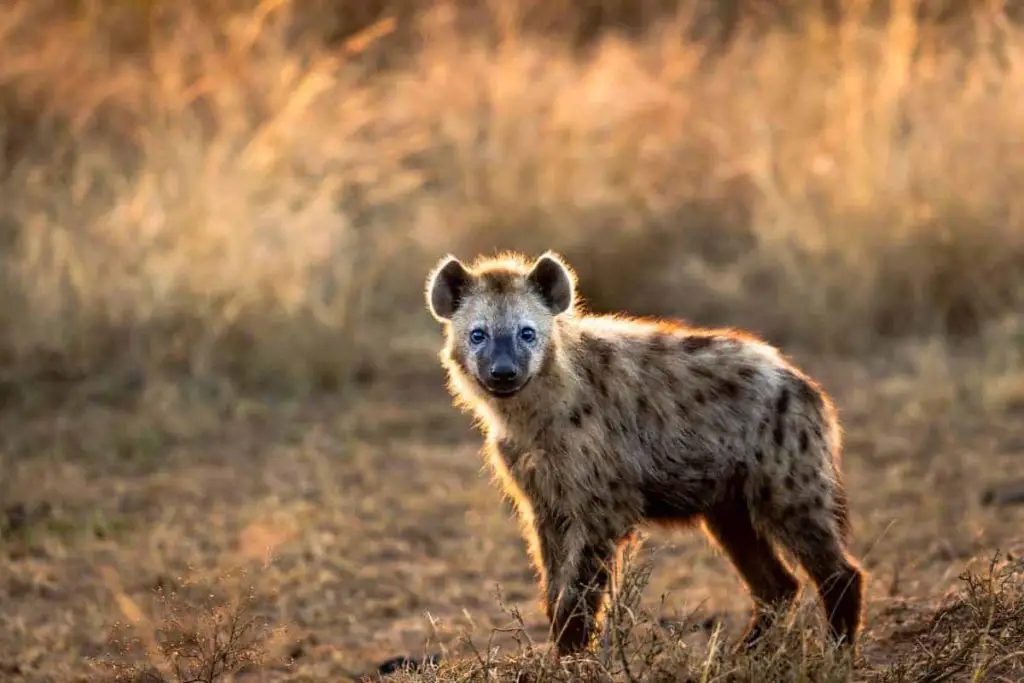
x,y
226,450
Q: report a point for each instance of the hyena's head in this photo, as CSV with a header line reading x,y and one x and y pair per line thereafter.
x,y
499,316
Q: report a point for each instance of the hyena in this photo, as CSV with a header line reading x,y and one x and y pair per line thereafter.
x,y
596,425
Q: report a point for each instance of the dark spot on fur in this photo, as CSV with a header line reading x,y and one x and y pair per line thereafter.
x,y
588,409
803,441
779,434
597,362
654,362
782,402
594,377
781,406
576,419
746,374
766,495
759,455
702,372
648,412
729,389
790,482
601,351
699,397
695,343
806,393
671,381
740,473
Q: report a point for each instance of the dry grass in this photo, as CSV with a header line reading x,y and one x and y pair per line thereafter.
x,y
226,191
215,221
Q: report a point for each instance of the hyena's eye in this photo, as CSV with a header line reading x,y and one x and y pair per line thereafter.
x,y
528,335
477,336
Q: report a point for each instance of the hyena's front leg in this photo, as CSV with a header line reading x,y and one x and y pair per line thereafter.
x,y
547,552
580,593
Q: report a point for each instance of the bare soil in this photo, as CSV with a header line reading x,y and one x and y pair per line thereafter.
x,y
368,527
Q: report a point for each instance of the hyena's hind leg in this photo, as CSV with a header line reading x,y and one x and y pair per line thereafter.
x,y
772,586
815,535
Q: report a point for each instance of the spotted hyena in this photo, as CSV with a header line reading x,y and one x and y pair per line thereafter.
x,y
597,424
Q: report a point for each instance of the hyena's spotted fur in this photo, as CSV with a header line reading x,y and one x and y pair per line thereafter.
x,y
596,424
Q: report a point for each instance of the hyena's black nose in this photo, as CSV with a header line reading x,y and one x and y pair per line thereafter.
x,y
503,371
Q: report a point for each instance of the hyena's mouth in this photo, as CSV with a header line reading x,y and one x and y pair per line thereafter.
x,y
503,389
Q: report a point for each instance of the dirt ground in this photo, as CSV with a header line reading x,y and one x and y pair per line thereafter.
x,y
367,526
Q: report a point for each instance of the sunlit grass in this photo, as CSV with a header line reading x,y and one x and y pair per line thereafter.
x,y
225,191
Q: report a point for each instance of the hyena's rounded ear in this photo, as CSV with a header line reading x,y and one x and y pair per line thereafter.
x,y
554,281
446,287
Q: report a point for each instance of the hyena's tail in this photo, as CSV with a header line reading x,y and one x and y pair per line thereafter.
x,y
841,509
